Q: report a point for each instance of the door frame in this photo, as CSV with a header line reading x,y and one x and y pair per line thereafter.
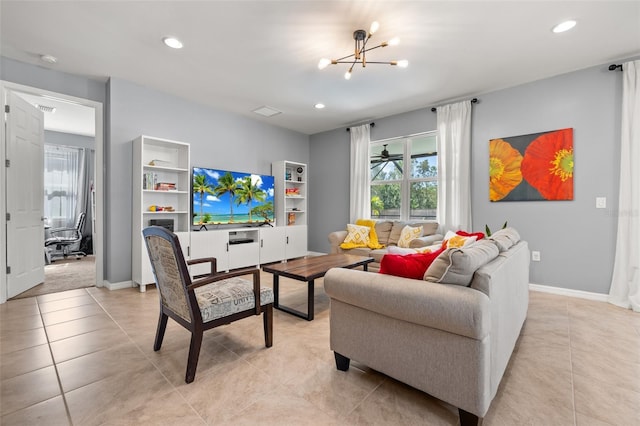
x,y
98,244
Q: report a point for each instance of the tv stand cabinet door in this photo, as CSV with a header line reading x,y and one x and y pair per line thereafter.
x,y
272,244
210,244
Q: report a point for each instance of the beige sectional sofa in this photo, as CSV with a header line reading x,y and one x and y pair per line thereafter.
x,y
451,341
388,232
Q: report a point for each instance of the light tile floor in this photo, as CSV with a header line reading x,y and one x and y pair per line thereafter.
x,y
85,357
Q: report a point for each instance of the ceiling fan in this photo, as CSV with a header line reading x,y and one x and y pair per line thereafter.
x,y
385,156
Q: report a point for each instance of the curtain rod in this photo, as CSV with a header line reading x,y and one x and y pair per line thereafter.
x,y
614,67
473,101
370,124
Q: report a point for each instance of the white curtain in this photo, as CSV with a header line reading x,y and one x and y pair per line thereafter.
x,y
454,166
360,197
62,168
625,284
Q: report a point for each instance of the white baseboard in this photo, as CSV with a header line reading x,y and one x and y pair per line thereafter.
x,y
569,292
118,286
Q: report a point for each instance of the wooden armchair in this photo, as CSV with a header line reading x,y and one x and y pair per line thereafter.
x,y
207,302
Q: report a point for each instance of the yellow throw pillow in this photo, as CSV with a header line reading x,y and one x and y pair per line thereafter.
x,y
409,233
357,236
373,237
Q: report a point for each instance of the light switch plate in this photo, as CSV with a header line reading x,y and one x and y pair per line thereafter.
x,y
601,202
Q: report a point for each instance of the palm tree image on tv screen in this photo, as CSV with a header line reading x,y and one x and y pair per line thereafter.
x,y
225,197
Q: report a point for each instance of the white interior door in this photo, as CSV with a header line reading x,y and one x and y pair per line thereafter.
x,y
24,195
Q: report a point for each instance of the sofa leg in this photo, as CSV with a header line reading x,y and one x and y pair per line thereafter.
x,y
342,362
468,419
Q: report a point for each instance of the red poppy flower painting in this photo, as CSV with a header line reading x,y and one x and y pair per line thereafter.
x,y
548,165
532,167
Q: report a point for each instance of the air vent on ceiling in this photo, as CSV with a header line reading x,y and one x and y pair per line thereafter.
x,y
46,108
266,111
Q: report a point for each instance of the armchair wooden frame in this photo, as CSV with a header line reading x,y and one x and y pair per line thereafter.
x,y
194,322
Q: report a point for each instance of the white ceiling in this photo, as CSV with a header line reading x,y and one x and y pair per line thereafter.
x,y
67,117
241,55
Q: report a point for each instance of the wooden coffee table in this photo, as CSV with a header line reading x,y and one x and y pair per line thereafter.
x,y
308,269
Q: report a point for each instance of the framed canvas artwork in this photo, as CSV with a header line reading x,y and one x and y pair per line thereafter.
x,y
533,167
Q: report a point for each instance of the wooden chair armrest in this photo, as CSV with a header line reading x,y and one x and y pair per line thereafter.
x,y
224,275
212,260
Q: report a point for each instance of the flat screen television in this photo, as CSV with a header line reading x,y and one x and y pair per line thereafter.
x,y
222,197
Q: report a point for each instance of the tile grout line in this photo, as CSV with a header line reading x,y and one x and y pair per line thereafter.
x,y
149,360
573,389
55,365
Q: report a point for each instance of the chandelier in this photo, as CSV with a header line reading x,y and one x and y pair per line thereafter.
x,y
361,38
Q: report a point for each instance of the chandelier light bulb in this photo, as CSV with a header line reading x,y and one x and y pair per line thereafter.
x,y
564,26
172,42
394,41
403,63
374,27
347,75
324,62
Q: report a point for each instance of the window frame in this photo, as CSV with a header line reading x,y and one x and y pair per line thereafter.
x,y
407,180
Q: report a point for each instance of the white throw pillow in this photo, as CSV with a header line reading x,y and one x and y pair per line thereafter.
x,y
457,241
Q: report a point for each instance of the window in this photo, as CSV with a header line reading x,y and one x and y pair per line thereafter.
x,y
404,177
61,174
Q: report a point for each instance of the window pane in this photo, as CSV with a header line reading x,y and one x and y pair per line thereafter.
x,y
424,200
387,161
424,157
385,201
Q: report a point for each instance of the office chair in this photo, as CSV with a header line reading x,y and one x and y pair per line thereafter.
x,y
65,240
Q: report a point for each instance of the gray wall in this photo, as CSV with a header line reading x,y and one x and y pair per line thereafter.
x,y
218,139
576,241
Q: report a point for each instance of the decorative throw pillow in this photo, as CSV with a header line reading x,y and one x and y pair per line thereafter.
x,y
357,236
457,265
408,265
401,250
452,240
478,235
505,238
373,237
409,233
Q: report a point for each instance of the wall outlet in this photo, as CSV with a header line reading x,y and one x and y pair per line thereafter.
x,y
535,256
601,202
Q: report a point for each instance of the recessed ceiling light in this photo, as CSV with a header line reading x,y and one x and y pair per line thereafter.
x,y
172,42
319,106
564,26
50,59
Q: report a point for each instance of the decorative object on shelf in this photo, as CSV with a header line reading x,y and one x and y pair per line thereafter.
x,y
300,171
166,186
154,208
287,174
292,192
533,167
155,162
361,38
291,219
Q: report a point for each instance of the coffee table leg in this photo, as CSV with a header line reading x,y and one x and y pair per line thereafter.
x,y
276,290
310,294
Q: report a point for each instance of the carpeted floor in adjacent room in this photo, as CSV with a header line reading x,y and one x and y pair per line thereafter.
x,y
65,274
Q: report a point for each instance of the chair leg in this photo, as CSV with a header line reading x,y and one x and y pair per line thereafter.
x,y
194,354
468,419
267,321
162,326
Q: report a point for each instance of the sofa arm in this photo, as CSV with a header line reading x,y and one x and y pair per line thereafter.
x,y
455,309
427,240
336,238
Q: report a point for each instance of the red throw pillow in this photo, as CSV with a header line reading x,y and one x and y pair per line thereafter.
x,y
408,265
478,235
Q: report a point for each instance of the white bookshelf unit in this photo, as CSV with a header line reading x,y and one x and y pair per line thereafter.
x,y
161,195
291,205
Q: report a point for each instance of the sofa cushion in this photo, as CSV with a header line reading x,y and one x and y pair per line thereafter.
x,y
409,233
357,236
457,265
383,229
361,251
505,238
407,265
